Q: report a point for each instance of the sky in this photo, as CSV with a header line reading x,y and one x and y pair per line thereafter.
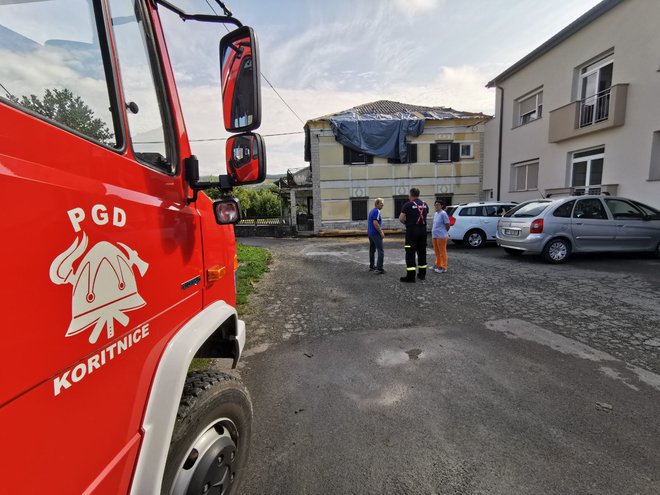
x,y
323,57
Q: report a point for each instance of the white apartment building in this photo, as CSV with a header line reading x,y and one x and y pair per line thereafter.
x,y
581,113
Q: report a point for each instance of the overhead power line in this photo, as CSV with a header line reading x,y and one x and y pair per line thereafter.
x,y
221,139
280,97
263,135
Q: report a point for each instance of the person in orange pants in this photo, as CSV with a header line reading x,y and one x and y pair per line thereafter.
x,y
439,235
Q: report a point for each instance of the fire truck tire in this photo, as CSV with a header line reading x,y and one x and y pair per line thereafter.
x,y
211,440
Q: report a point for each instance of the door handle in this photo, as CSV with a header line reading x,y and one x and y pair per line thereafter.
x,y
578,223
622,225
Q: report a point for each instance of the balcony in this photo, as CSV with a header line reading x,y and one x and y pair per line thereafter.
x,y
605,110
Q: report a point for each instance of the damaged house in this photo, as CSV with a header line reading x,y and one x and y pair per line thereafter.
x,y
384,148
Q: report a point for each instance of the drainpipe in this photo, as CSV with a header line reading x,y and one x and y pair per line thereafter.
x,y
499,145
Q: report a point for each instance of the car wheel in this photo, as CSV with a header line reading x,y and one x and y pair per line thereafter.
x,y
513,252
557,251
210,444
475,239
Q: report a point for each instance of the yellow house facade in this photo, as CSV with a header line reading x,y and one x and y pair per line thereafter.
x,y
444,161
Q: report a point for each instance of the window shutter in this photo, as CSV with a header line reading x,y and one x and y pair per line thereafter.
x,y
359,209
347,156
455,152
399,201
412,153
434,152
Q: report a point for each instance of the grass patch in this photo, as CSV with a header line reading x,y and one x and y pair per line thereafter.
x,y
253,262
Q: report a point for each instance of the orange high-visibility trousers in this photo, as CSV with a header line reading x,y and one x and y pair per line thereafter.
x,y
440,248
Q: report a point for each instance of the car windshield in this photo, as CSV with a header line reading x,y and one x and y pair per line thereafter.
x,y
527,210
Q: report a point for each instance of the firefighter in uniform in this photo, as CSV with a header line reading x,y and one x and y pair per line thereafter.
x,y
413,215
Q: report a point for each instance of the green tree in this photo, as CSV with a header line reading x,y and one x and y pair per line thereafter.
x,y
266,203
68,109
212,193
245,199
254,202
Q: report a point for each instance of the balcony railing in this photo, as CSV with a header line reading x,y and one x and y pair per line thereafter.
x,y
606,189
605,110
595,108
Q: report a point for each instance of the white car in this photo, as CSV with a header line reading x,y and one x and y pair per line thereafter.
x,y
473,224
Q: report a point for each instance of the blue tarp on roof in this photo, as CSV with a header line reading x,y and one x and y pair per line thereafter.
x,y
376,134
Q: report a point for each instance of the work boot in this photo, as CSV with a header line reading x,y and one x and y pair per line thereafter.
x,y
409,278
421,274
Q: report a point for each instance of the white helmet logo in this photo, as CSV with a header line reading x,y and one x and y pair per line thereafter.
x,y
104,285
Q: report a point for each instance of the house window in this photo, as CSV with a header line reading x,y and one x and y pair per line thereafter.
x,y
466,151
411,150
594,91
445,152
525,176
587,171
445,198
352,157
358,209
530,108
399,201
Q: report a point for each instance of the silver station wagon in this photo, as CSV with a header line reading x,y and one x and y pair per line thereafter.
x,y
558,227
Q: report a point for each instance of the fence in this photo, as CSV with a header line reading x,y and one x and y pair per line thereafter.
x,y
263,227
262,221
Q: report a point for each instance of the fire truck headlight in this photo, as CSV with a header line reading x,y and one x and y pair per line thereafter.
x,y
227,211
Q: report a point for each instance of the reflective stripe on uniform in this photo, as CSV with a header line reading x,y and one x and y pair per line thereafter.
x,y
411,269
423,266
407,247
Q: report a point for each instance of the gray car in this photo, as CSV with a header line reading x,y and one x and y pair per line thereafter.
x,y
557,227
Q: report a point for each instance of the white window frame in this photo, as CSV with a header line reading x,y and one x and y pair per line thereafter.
x,y
598,98
588,158
514,186
590,69
471,150
535,114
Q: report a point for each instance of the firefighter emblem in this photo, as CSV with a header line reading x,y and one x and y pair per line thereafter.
x,y
104,285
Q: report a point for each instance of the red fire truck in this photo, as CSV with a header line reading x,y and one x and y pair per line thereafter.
x,y
118,273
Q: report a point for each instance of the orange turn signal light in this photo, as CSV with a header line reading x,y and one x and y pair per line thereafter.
x,y
235,262
215,273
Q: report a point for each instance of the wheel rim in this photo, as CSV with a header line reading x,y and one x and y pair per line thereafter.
x,y
558,251
474,239
210,465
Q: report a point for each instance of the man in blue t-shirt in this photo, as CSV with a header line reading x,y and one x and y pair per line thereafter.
x,y
376,235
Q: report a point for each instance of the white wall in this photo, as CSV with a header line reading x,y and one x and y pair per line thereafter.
x,y
631,28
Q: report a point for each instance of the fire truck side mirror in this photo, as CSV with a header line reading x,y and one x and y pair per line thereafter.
x,y
227,211
241,86
246,159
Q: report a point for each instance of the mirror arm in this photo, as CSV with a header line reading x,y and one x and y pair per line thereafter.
x,y
199,17
238,50
191,165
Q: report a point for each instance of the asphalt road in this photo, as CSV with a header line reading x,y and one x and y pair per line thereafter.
x,y
503,376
